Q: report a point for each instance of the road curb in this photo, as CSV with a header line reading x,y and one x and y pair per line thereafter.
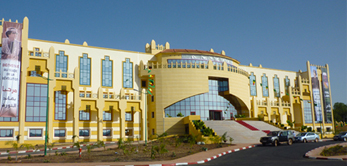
x,y
321,158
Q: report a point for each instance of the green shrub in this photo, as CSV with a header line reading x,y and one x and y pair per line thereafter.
x,y
180,115
334,151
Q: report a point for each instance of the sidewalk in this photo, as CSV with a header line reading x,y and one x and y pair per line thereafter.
x,y
197,158
315,153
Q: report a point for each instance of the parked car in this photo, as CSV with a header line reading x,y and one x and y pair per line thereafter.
x,y
275,137
307,137
342,136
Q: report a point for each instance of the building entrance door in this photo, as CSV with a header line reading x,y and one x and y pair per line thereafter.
x,y
215,115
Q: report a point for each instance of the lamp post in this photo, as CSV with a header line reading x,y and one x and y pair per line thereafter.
x,y
145,115
320,125
46,135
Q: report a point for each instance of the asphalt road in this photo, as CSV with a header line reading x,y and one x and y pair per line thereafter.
x,y
283,155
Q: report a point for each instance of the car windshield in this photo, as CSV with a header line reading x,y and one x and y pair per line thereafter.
x,y
273,133
301,134
343,133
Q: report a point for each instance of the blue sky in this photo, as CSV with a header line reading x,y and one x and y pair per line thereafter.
x,y
276,34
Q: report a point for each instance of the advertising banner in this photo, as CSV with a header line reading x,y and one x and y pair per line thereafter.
x,y
10,65
316,95
326,96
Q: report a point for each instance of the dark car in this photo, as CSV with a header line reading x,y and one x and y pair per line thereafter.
x,y
341,136
275,137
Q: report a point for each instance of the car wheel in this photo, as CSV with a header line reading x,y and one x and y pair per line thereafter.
x,y
305,141
275,143
290,142
316,140
345,139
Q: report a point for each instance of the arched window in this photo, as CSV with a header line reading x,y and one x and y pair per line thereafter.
x,y
252,83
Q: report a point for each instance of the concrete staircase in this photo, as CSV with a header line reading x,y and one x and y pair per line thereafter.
x,y
239,132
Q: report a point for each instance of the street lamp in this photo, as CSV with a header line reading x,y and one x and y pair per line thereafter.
x,y
46,136
145,115
320,125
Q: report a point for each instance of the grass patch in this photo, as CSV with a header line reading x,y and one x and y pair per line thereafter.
x,y
334,151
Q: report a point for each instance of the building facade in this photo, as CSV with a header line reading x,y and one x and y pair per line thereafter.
x,y
87,93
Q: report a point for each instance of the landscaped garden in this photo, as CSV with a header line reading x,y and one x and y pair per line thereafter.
x,y
163,148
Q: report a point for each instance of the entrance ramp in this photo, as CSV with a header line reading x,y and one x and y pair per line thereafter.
x,y
239,132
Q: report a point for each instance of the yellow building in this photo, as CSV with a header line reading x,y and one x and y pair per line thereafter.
x,y
94,93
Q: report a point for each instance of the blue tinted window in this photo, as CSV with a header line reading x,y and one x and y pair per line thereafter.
x,y
36,103
253,85
127,74
265,86
203,103
84,115
85,70
307,111
60,105
107,72
276,86
61,64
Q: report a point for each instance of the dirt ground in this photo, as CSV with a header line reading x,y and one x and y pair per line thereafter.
x,y
165,149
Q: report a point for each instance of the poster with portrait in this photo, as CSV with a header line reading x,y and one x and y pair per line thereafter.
x,y
326,96
10,65
316,95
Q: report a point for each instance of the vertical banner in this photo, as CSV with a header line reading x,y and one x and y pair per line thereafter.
x,y
326,96
10,64
316,95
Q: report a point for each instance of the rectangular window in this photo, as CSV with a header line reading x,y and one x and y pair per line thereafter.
x,y
128,132
6,132
59,133
192,113
307,111
82,94
107,72
36,103
84,133
276,87
60,105
127,74
85,70
105,95
143,84
152,98
107,116
152,114
106,132
128,116
35,132
88,94
84,115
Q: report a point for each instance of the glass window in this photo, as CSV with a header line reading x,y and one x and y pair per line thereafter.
x,y
286,85
82,94
107,72
84,132
128,116
203,103
85,70
307,111
36,103
60,105
35,132
106,132
59,133
107,116
276,87
84,115
265,86
253,85
127,74
6,132
61,64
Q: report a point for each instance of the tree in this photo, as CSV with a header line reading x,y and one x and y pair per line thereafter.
x,y
340,112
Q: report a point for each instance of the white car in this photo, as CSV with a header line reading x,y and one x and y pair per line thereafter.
x,y
307,137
